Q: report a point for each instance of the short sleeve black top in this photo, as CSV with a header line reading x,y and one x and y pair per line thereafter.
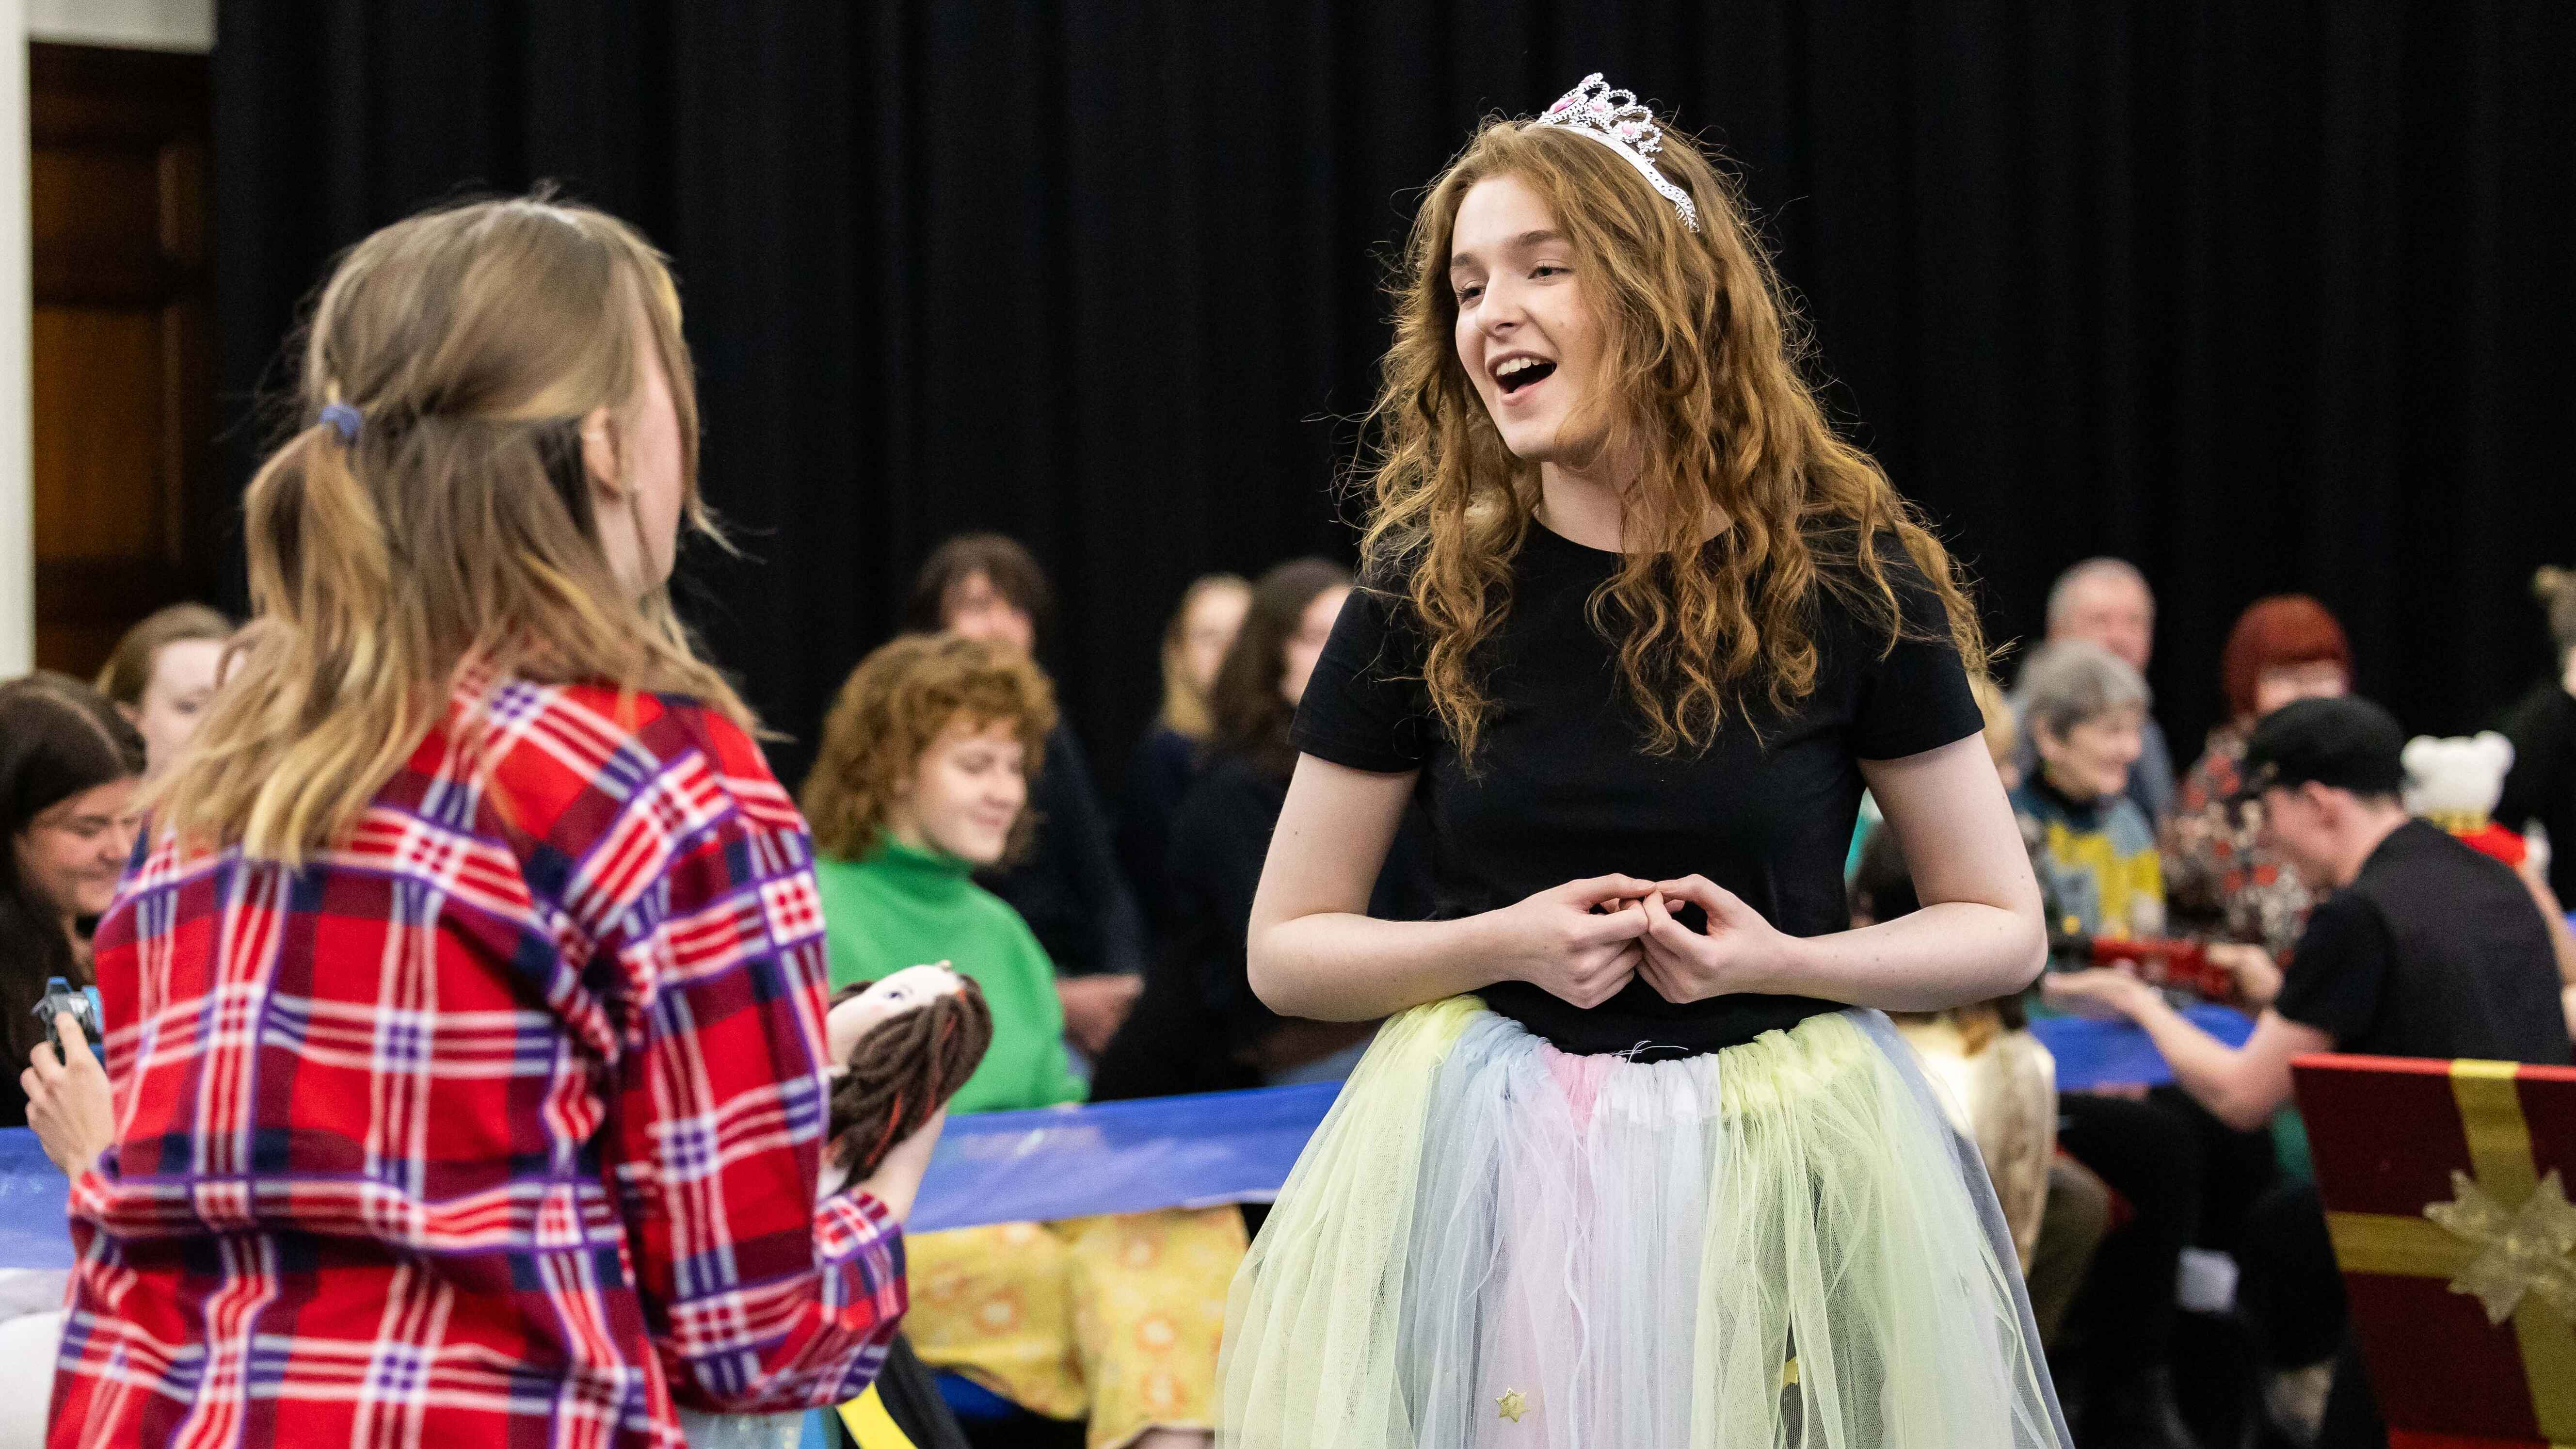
x,y
1563,789
2434,950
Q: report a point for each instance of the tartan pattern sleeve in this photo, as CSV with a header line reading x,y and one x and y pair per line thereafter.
x,y
499,1122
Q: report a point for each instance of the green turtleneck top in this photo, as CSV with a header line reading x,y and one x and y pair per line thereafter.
x,y
903,907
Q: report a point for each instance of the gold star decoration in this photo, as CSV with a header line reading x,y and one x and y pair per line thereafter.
x,y
1512,1405
2525,1251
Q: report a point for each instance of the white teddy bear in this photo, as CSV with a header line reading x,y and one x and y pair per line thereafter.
x,y
2456,782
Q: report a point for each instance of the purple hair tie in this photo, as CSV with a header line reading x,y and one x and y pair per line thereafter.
x,y
344,418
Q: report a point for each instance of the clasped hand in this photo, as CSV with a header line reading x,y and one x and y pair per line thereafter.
x,y
1584,941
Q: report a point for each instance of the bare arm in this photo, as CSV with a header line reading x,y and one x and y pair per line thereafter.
x,y
1978,935
2241,1086
1314,952
2553,914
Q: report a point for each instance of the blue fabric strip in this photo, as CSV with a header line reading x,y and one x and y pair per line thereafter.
x,y
1117,1157
2093,1054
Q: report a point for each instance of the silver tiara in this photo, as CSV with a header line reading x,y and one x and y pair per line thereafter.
x,y
1619,121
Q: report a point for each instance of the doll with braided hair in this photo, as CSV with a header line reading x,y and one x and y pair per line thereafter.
x,y
902,1046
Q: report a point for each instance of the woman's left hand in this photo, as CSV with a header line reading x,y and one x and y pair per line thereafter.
x,y
2098,992
1740,951
67,1101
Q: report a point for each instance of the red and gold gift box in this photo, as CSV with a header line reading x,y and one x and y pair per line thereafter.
x,y
2444,1187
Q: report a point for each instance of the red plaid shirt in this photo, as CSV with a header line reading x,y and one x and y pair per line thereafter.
x,y
497,1124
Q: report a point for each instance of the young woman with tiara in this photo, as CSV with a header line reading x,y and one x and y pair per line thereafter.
x,y
1638,1160
465,1005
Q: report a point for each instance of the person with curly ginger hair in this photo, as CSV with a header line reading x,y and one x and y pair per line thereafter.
x,y
1636,627
922,780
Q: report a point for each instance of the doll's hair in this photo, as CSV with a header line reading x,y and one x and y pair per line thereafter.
x,y
2556,590
902,1070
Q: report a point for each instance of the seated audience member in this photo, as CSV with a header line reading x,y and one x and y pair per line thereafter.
x,y
1066,884
1167,757
2095,857
2106,601
163,675
2221,884
2541,790
2425,948
2001,1089
2083,709
2003,1084
921,780
69,764
1199,1027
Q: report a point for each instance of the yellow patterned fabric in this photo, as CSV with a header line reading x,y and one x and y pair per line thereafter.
x,y
1111,1318
2000,1088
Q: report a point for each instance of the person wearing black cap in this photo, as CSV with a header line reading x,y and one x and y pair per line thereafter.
x,y
2426,949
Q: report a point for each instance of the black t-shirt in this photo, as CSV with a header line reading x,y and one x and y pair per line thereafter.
x,y
2434,950
1562,787
2542,784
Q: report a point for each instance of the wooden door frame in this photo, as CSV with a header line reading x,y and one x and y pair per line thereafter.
x,y
184,25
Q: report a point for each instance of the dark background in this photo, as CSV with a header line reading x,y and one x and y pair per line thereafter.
x,y
2262,296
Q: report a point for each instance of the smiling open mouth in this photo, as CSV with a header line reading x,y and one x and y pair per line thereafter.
x,y
1520,372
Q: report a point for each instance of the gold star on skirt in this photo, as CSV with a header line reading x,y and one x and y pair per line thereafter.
x,y
1512,1405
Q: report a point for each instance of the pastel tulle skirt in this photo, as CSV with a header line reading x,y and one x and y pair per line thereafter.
x,y
1494,1243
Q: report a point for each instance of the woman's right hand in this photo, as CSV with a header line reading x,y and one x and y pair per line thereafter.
x,y
897,1180
1580,942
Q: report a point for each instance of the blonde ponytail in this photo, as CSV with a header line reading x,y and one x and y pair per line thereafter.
x,y
447,529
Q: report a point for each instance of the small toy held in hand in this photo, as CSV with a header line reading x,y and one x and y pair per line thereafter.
x,y
82,1002
900,1047
905,1044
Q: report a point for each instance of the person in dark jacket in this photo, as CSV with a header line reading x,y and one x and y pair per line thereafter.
x,y
2541,788
1199,1028
1067,886
1168,757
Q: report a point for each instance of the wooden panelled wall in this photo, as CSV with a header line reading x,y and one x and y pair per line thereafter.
x,y
125,517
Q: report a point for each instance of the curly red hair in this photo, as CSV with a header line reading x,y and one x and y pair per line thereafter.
x,y
889,711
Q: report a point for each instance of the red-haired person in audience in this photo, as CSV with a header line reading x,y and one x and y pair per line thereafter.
x,y
2221,882
1110,1322
1067,884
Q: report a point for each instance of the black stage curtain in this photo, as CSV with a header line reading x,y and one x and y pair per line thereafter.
x,y
2262,296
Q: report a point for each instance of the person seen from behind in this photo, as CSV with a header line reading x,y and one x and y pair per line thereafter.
x,y
496,940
